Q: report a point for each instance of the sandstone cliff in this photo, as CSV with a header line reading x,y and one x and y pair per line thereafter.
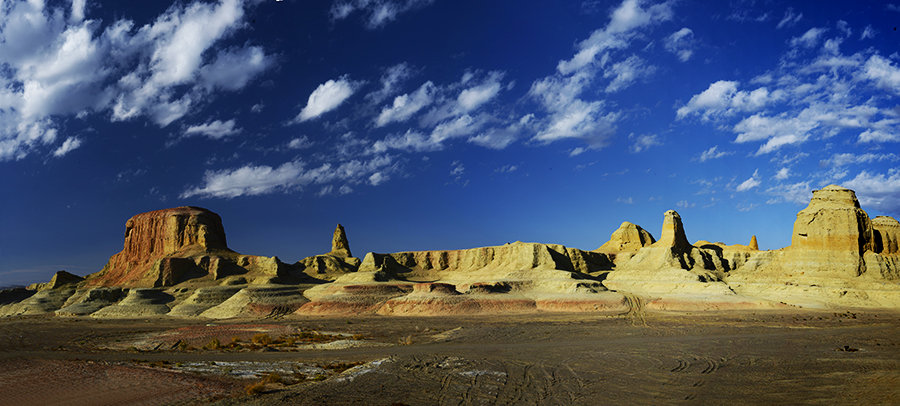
x,y
837,257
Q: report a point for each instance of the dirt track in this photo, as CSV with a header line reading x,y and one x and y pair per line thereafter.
x,y
735,358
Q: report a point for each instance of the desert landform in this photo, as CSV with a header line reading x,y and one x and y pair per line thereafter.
x,y
179,317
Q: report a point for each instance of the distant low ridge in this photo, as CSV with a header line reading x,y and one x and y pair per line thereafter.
x,y
176,263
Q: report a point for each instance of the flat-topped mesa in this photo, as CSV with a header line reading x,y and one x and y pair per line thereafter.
x,y
833,221
673,233
887,235
157,240
169,231
627,238
340,246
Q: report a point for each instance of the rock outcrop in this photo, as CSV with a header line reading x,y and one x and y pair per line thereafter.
x,y
671,264
837,257
158,245
340,247
886,235
628,237
170,247
59,279
176,263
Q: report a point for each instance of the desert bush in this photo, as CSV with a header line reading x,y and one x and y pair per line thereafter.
x,y
212,344
272,378
408,340
255,388
261,339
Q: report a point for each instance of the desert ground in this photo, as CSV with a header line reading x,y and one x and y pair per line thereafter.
x,y
736,357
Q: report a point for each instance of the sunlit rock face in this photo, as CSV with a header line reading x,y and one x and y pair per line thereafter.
x,y
157,244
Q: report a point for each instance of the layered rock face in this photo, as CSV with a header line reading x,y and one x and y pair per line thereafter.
x,y
170,235
833,221
176,262
497,261
838,256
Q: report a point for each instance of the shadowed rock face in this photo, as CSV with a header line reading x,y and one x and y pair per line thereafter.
x,y
152,236
673,233
887,235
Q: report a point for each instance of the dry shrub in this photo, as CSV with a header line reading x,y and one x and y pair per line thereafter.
x,y
212,344
272,378
262,339
408,340
255,388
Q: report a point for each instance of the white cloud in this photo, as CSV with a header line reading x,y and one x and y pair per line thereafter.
x,y
809,39
713,153
70,144
405,106
457,168
390,81
684,204
301,142
248,181
582,120
473,97
722,98
253,180
378,178
790,18
458,127
868,32
232,69
625,200
643,142
681,43
500,138
507,169
24,137
844,159
577,151
877,190
630,15
377,13
327,96
750,183
626,72
214,129
568,116
58,66
782,173
872,135
799,193
883,73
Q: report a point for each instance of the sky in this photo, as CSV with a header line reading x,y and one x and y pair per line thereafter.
x,y
436,124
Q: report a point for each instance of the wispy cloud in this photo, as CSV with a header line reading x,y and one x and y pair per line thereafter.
x,y
327,96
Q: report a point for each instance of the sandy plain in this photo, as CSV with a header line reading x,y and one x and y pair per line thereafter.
x,y
769,357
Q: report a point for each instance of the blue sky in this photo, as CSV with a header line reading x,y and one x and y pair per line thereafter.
x,y
423,124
